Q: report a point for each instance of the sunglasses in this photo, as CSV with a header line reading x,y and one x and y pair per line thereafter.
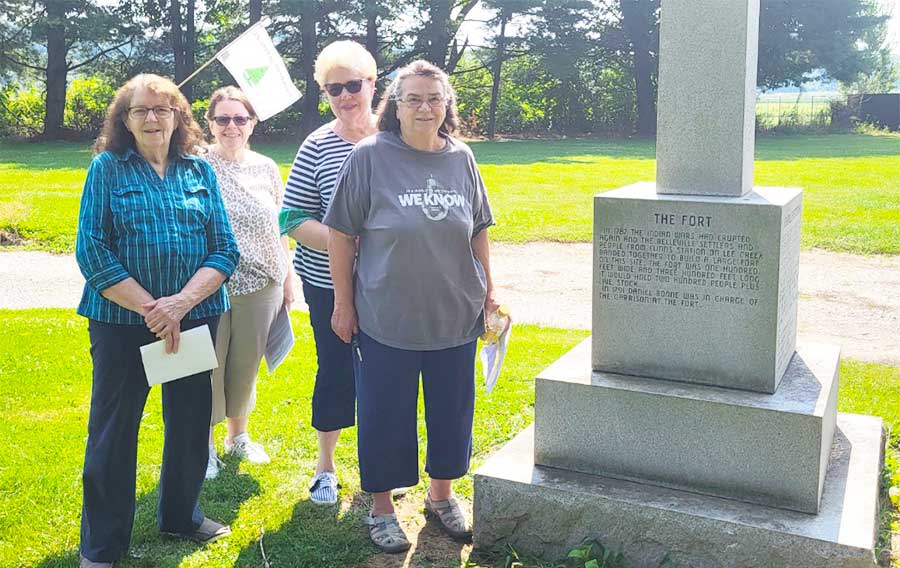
x,y
238,120
335,89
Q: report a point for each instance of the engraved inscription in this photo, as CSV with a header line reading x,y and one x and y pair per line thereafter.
x,y
688,267
788,291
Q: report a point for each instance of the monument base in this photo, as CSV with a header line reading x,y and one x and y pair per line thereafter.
x,y
769,449
547,512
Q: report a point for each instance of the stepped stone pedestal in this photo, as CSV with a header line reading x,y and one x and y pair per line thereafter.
x,y
766,449
549,511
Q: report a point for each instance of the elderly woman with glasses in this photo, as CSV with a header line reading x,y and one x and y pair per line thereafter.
x,y
154,246
415,302
346,73
261,285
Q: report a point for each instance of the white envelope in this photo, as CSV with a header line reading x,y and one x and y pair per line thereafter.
x,y
196,354
280,340
492,359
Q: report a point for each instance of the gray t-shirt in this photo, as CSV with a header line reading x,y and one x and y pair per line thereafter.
x,y
417,285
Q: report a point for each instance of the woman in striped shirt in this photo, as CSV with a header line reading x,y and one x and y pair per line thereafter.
x,y
346,72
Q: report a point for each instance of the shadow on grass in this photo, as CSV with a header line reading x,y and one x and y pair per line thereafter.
x,y
61,155
768,148
221,500
524,152
321,536
45,155
799,147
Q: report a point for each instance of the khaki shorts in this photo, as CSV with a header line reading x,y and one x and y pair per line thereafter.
x,y
240,346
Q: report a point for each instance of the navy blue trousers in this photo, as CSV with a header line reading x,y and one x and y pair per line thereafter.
x,y
118,394
334,396
387,392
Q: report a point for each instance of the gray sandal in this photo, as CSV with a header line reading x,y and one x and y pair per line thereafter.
x,y
451,517
386,534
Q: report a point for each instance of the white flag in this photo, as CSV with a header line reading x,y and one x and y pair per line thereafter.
x,y
256,66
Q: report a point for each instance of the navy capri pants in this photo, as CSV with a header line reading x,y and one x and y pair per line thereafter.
x,y
387,392
334,395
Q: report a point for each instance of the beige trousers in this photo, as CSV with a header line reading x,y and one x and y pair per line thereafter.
x,y
240,346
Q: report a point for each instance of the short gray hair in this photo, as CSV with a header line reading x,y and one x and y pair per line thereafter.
x,y
387,110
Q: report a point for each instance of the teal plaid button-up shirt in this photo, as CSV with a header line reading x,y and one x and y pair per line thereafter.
x,y
157,231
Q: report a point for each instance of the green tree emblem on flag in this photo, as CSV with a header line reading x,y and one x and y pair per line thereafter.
x,y
255,74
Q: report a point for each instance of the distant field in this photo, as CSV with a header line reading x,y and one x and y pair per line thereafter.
x,y
815,109
541,189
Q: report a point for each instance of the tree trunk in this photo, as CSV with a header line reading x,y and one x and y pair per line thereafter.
x,y
498,65
255,11
372,38
177,40
372,30
439,32
637,29
309,119
190,46
57,68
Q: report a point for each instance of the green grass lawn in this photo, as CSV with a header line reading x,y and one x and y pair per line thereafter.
x,y
45,383
542,189
44,398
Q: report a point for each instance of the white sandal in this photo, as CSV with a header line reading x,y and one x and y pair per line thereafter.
x,y
386,534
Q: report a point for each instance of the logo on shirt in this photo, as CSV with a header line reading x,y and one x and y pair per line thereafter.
x,y
434,200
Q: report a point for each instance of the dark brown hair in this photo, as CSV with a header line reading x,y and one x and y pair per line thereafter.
x,y
116,138
229,93
387,110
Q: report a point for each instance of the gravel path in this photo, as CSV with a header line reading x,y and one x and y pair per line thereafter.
x,y
850,300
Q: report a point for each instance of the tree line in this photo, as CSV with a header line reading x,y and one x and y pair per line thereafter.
x,y
558,66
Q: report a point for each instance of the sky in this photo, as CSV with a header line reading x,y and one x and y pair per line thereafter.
x,y
894,25
892,7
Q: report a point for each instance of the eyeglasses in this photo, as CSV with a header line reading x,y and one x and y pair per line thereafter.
x,y
415,101
335,89
140,113
238,120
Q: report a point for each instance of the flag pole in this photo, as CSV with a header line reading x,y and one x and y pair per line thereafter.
x,y
199,69
213,58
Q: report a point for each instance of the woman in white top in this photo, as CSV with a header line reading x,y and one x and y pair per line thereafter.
x,y
346,73
253,192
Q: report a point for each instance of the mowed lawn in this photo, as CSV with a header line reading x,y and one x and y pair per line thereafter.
x,y
542,189
45,385
44,399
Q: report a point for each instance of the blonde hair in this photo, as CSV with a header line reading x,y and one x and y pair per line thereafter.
x,y
345,54
114,137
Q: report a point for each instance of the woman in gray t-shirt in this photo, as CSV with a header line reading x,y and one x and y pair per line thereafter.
x,y
414,198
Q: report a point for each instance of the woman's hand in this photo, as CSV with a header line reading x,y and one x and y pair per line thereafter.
x,y
491,305
343,321
288,291
164,317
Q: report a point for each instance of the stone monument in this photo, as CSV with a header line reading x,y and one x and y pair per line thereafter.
x,y
691,424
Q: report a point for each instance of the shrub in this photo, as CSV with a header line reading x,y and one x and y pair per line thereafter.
x,y
86,102
21,111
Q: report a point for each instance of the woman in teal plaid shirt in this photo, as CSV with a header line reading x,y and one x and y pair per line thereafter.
x,y
155,246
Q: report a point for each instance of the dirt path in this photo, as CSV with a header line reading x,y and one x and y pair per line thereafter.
x,y
850,300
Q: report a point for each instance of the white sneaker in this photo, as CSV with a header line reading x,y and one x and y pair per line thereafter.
x,y
212,466
324,488
245,448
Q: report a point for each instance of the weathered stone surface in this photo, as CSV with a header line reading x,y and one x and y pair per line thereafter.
x,y
754,447
547,511
707,96
696,289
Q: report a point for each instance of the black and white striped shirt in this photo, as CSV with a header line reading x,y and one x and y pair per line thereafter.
x,y
310,186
